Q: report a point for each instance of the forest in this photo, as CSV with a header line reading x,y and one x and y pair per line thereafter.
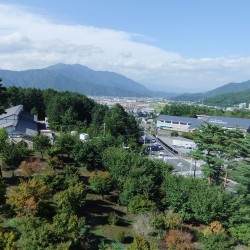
x,y
185,110
99,195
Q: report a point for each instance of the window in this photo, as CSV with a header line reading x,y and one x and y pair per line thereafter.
x,y
175,122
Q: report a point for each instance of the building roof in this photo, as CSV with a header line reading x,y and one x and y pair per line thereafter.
x,y
227,122
7,120
12,111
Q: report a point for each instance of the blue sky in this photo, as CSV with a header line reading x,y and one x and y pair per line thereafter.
x,y
175,45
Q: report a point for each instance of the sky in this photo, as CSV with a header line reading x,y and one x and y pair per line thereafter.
x,y
167,45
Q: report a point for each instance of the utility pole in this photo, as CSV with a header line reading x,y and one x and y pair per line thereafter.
x,y
104,129
190,170
144,135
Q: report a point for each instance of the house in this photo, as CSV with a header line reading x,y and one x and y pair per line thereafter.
x,y
18,122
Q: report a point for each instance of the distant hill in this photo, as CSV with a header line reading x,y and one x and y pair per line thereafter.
x,y
77,78
227,88
229,99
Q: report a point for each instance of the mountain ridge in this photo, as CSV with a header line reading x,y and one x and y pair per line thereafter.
x,y
225,89
78,78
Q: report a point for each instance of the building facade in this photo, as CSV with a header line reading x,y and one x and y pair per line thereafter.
x,y
186,124
18,122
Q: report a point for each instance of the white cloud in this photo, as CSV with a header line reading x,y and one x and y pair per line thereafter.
x,y
29,41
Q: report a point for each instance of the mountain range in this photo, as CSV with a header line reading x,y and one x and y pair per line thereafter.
x,y
81,79
78,78
224,90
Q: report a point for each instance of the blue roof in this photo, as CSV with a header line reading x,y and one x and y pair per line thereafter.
x,y
227,122
17,121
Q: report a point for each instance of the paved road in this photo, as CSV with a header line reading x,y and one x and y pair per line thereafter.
x,y
181,165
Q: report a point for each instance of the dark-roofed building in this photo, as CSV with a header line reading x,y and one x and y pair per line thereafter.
x,y
186,124
18,122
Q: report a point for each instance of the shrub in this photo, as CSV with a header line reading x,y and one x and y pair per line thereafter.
x,y
140,243
241,233
142,225
218,241
178,240
101,182
120,236
139,204
215,237
29,168
174,133
113,218
164,222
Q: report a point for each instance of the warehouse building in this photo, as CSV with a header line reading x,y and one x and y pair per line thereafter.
x,y
186,124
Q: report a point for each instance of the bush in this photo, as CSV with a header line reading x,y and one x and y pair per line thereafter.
x,y
241,233
216,241
140,243
139,204
113,218
142,226
177,239
164,222
174,133
215,237
120,236
101,182
188,135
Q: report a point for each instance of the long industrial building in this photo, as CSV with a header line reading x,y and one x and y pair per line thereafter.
x,y
186,124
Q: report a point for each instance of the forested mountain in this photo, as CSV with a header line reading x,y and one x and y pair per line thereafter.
x,y
76,78
227,88
229,99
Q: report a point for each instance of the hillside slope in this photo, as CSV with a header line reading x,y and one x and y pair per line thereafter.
x,y
76,78
227,88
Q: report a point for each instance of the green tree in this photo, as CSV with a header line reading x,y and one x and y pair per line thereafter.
x,y
35,233
12,156
69,117
210,140
237,146
71,199
41,143
89,153
195,200
7,240
65,144
163,222
101,182
3,141
3,138
140,243
139,204
2,191
120,123
241,232
68,227
2,97
239,222
215,237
